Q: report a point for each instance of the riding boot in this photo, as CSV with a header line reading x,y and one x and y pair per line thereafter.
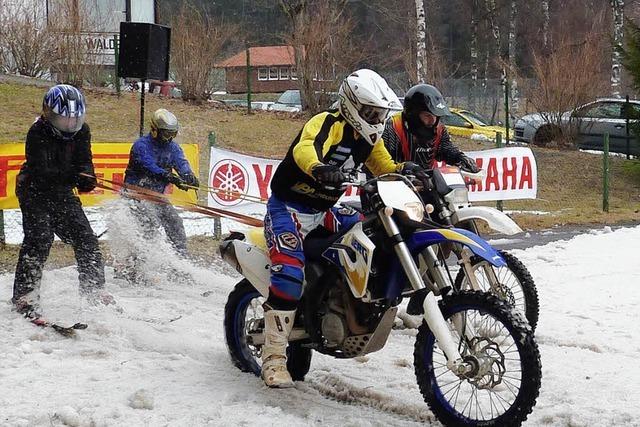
x,y
277,327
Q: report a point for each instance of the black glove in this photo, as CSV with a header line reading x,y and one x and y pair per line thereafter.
x,y
328,174
191,180
177,181
410,168
86,184
468,164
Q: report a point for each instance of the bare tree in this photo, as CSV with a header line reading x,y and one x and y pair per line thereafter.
x,y
513,95
618,34
545,23
26,43
195,46
567,77
76,59
473,46
421,41
322,38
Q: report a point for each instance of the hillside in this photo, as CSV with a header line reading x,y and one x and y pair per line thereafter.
x,y
570,182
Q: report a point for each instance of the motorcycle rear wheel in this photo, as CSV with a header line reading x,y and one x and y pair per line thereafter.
x,y
504,390
242,311
519,288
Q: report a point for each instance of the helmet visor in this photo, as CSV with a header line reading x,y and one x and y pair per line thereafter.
x,y
66,124
373,115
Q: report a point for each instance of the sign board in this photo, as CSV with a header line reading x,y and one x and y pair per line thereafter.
x,y
511,174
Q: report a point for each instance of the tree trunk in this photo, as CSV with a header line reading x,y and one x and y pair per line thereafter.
x,y
421,47
545,25
474,53
513,14
618,23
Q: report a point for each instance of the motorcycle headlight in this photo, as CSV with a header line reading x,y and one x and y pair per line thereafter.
x,y
414,210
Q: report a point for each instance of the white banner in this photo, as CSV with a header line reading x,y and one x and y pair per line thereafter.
x,y
511,174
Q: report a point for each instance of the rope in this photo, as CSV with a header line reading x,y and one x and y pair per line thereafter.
x,y
141,193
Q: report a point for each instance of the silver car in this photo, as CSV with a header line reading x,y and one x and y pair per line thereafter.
x,y
593,120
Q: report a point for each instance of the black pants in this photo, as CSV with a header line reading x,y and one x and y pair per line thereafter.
x,y
152,216
59,212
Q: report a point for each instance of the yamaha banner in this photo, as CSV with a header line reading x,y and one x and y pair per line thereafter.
x,y
511,173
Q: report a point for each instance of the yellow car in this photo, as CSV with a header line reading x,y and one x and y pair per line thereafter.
x,y
470,125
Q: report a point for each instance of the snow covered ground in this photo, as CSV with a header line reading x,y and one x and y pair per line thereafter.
x,y
163,360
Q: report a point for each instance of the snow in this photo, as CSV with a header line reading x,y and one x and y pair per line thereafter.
x,y
162,360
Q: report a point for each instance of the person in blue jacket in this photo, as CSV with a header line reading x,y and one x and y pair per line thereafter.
x,y
155,162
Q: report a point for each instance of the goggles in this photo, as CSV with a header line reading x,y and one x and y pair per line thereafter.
x,y
373,115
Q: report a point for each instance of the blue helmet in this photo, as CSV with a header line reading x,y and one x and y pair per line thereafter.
x,y
64,108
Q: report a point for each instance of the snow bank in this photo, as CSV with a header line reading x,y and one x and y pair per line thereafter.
x,y
163,361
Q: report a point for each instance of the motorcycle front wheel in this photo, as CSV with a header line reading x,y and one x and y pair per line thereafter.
x,y
503,387
516,286
243,314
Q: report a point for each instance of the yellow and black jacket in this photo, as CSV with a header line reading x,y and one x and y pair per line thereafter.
x,y
326,138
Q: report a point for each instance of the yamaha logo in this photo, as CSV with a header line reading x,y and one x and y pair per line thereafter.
x,y
231,180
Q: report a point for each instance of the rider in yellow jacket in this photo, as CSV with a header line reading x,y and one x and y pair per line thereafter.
x,y
305,188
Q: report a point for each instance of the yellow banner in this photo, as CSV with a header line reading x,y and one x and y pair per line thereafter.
x,y
110,160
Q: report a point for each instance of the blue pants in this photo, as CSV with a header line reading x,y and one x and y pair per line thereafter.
x,y
285,227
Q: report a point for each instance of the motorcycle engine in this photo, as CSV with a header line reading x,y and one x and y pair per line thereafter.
x,y
334,329
334,324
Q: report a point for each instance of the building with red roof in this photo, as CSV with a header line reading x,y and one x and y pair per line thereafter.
x,y
273,69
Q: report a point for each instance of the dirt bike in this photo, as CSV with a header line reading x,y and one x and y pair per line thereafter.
x,y
449,196
476,359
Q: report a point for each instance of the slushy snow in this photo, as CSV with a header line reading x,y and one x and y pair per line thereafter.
x,y
162,360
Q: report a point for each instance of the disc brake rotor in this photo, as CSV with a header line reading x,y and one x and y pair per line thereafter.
x,y
488,362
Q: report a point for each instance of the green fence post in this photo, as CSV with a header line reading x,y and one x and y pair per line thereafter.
x,y
217,224
506,107
605,174
248,79
3,239
499,205
115,71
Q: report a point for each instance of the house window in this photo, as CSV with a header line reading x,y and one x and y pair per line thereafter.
x,y
263,74
294,74
284,73
273,73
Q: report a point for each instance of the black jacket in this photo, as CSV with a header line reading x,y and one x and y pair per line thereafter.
x,y
52,163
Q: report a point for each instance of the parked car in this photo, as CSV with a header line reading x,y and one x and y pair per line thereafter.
x,y
256,105
471,125
591,121
289,101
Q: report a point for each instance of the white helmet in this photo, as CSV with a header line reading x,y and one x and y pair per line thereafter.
x,y
365,100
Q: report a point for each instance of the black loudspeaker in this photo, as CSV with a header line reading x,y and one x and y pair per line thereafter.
x,y
144,50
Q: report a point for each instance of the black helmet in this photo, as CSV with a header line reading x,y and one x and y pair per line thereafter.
x,y
425,97
421,98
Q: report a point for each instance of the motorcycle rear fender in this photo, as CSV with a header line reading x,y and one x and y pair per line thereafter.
x,y
496,220
250,261
421,239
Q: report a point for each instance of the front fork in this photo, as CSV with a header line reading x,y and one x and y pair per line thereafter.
x,y
432,314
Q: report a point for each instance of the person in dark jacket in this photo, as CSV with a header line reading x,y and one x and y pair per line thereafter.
x,y
416,134
57,152
155,162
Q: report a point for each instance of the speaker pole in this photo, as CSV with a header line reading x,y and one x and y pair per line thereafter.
x,y
142,107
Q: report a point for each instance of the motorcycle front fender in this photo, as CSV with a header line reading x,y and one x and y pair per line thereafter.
x,y
498,221
421,239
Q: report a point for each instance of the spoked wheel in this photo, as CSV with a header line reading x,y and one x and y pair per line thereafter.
x,y
503,381
243,317
243,314
515,285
